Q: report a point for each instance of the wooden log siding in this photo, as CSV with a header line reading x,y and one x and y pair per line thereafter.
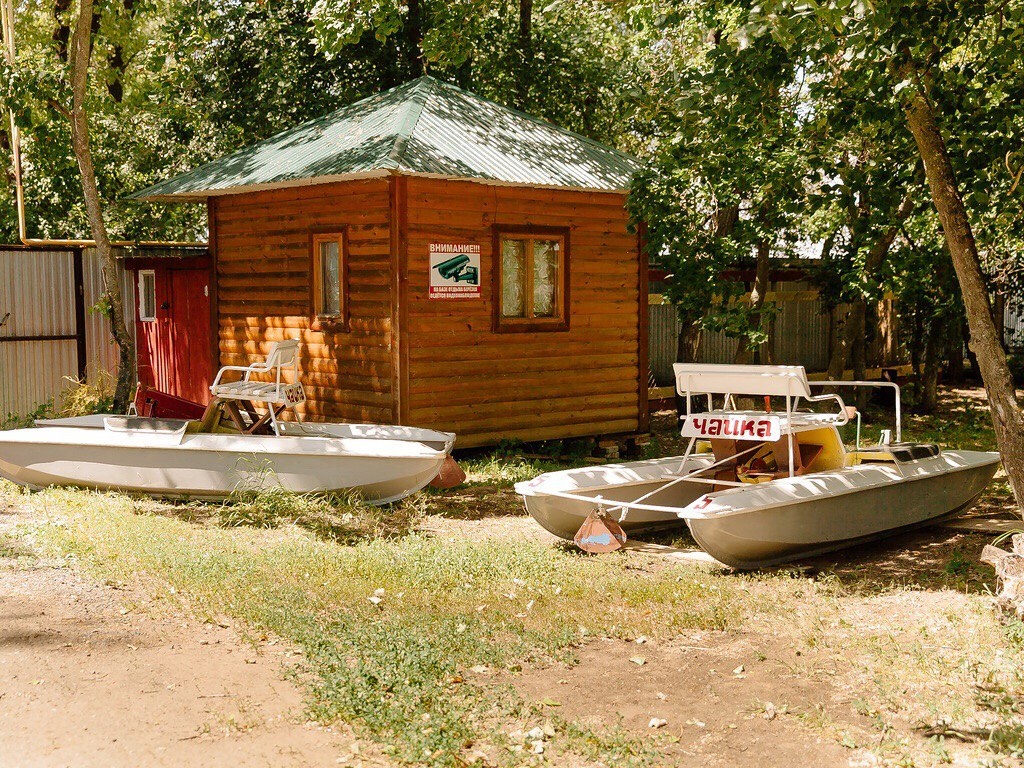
x,y
263,262
409,359
532,385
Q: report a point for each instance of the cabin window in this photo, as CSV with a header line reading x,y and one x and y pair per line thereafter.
x,y
147,295
329,275
532,282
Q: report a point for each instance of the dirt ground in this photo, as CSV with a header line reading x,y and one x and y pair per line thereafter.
x,y
91,675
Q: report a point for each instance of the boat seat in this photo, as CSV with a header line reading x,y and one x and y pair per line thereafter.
x,y
902,452
144,424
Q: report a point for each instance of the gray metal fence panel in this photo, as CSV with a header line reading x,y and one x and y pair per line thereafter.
x,y
99,343
38,345
40,340
663,335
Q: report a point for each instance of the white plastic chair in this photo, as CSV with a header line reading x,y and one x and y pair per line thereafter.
x,y
276,394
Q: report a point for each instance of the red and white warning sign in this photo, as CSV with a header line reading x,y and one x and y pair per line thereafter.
x,y
455,271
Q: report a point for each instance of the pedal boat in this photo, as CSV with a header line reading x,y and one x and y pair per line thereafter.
x,y
229,448
758,488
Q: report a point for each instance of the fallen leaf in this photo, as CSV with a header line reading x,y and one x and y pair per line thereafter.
x,y
657,722
638,660
549,702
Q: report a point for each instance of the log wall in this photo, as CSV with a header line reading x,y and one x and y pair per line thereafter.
x,y
409,359
262,253
460,376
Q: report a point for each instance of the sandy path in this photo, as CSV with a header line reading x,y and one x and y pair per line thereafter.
x,y
85,681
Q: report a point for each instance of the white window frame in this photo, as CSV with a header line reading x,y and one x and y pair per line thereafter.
x,y
143,274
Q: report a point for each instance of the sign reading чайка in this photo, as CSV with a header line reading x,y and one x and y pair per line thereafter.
x,y
455,271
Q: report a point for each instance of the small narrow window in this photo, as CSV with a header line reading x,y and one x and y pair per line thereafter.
x,y
532,281
147,295
329,276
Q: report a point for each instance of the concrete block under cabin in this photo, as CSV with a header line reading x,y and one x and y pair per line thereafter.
x,y
445,261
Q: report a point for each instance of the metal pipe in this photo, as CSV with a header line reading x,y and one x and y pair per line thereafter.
x,y
894,385
7,25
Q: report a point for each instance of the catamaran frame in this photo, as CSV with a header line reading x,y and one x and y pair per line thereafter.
x,y
696,510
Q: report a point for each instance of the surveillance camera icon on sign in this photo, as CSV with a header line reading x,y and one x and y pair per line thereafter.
x,y
458,269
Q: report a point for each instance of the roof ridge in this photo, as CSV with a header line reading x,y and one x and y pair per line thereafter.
x,y
410,118
539,121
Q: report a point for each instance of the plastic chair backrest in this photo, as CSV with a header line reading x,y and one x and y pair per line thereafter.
x,y
283,354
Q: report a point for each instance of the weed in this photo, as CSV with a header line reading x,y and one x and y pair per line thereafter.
x,y
1007,739
13,548
77,398
81,398
958,565
504,472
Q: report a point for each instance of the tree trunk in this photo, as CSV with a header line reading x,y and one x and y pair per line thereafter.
x,y
837,350
745,349
917,344
688,342
930,379
1007,418
525,69
80,54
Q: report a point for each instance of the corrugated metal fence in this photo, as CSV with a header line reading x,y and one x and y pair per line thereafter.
x,y
49,331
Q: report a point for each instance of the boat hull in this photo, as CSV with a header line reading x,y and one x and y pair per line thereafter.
x,y
612,482
382,466
765,537
761,525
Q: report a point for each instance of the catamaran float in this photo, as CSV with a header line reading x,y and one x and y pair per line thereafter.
x,y
761,487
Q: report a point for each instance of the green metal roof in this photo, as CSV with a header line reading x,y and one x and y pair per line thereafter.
x,y
424,127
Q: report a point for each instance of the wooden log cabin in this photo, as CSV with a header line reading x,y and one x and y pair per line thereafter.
x,y
445,262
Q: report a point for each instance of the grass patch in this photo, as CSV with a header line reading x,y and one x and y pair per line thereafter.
x,y
505,471
391,628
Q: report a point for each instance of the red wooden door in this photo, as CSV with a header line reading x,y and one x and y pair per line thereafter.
x,y
172,331
192,370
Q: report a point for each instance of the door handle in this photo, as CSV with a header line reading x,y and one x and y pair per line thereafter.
x,y
165,306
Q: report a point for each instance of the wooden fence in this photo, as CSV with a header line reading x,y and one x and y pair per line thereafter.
x,y
1013,324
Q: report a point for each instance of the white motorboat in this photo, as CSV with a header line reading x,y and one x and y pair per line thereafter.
x,y
227,449
756,487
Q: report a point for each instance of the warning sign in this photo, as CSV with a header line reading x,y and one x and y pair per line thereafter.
x,y
455,271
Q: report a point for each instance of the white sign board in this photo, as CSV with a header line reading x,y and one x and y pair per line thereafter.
x,y
455,271
733,426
